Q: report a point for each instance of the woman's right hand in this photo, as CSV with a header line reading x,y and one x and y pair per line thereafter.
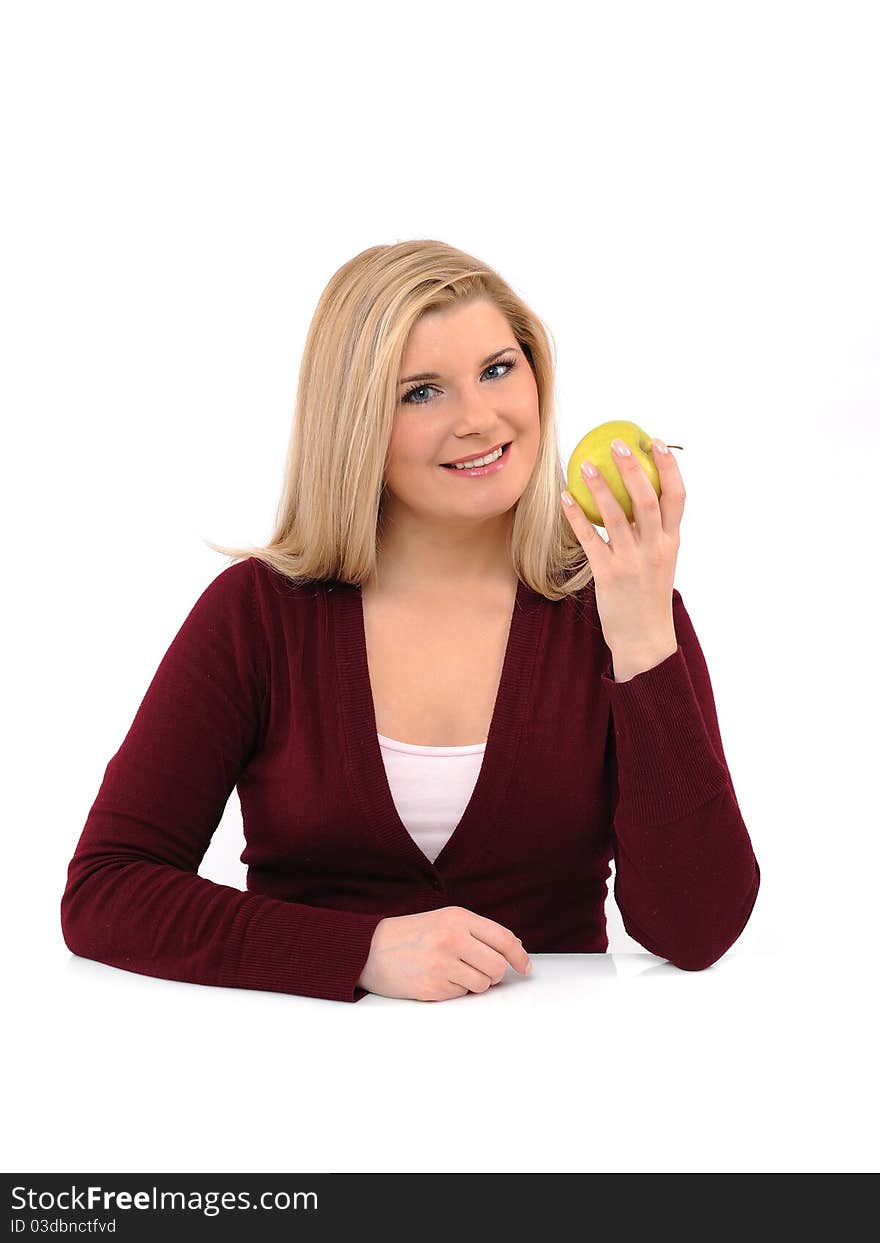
x,y
438,955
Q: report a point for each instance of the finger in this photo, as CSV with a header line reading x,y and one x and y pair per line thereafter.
x,y
672,493
499,938
468,977
591,541
482,957
614,518
645,504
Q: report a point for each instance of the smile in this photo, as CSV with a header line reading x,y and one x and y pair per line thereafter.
x,y
490,464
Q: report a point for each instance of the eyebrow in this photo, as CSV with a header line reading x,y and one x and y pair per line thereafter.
x,y
435,375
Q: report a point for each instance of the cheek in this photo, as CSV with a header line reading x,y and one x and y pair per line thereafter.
x,y
409,447
528,416
402,443
527,398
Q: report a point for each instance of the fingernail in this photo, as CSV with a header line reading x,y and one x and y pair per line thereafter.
x,y
567,498
587,468
659,446
529,967
621,447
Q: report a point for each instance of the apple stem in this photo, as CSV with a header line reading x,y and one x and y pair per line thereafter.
x,y
676,446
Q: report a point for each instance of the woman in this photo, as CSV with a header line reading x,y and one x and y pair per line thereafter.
x,y
444,700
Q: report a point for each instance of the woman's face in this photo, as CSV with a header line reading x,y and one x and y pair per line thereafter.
x,y
468,408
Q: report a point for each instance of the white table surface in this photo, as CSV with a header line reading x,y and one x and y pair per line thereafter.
x,y
616,1062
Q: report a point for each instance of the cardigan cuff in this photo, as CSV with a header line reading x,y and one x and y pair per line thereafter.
x,y
292,948
666,764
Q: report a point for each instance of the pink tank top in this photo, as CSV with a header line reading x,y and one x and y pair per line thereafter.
x,y
431,787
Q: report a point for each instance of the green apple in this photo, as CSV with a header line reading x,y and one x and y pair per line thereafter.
x,y
596,446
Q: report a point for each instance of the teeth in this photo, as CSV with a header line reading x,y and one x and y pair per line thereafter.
x,y
480,461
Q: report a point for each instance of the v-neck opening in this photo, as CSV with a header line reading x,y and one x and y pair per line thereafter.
x,y
364,764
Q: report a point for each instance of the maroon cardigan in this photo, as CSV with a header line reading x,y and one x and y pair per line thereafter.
x,y
265,689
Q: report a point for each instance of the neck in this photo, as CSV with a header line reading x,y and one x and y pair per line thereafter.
x,y
427,557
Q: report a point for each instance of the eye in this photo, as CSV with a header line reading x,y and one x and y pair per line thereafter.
x,y
407,398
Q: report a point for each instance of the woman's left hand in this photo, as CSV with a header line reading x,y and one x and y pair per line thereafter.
x,y
634,570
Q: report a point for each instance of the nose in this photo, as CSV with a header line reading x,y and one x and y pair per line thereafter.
x,y
476,412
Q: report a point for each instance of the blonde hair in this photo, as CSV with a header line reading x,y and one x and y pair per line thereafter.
x,y
329,516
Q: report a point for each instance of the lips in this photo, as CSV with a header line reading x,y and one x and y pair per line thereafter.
x,y
471,456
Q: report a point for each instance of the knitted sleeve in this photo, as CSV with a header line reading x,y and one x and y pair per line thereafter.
x,y
133,897
686,877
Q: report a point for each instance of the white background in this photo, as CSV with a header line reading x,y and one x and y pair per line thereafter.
x,y
688,196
